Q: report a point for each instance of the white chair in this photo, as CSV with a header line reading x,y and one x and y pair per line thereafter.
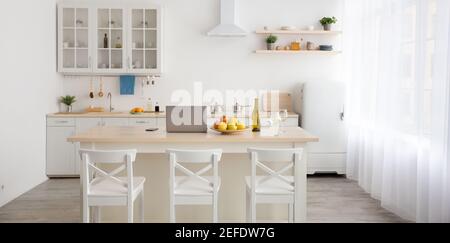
x,y
193,188
274,187
102,188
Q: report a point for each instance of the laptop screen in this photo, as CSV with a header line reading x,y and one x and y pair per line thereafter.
x,y
186,119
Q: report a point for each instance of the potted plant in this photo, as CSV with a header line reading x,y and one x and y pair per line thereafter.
x,y
327,22
68,101
271,40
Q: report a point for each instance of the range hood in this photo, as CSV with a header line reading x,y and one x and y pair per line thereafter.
x,y
228,21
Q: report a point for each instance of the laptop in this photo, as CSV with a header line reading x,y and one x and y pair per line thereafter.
x,y
186,119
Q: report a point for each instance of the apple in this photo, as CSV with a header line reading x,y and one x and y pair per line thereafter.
x,y
216,125
232,127
240,126
222,126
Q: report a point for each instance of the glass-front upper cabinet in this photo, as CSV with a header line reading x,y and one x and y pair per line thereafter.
x,y
110,35
74,39
145,40
112,38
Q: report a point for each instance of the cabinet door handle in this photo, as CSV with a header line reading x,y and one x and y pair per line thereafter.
x,y
140,122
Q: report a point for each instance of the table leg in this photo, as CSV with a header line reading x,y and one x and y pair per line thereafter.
x,y
301,187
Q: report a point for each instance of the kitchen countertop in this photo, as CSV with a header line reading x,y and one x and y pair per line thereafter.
x,y
116,134
144,115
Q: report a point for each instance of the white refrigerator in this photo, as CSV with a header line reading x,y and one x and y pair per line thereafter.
x,y
321,108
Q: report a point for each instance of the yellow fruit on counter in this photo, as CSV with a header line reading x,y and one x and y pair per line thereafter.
x,y
231,127
137,110
240,126
222,126
234,120
216,125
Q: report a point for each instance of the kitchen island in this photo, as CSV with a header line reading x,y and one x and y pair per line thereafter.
x,y
235,165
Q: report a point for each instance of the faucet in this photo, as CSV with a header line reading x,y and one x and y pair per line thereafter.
x,y
110,102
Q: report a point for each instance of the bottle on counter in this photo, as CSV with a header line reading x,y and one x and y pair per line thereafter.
x,y
256,120
157,107
150,107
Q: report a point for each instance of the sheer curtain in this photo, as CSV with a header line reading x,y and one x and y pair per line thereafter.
x,y
397,65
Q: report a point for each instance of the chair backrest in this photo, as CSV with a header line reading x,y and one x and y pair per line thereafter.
x,y
91,174
210,157
261,155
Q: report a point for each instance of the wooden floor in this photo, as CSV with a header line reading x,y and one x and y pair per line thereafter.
x,y
330,199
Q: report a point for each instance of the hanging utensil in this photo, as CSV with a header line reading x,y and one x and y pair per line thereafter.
x,y
91,90
101,94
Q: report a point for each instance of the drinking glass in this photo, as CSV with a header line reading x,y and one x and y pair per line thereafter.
x,y
283,117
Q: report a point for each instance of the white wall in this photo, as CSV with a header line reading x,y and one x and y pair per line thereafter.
x,y
227,63
29,90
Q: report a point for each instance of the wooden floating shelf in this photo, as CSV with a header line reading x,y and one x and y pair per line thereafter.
x,y
298,32
298,52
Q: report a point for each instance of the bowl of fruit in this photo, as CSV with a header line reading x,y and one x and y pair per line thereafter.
x,y
137,111
229,126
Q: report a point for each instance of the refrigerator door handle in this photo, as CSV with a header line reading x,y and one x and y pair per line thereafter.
x,y
342,114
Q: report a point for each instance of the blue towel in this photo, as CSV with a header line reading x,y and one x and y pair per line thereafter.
x,y
127,84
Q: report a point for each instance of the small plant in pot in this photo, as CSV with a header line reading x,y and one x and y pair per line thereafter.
x,y
271,40
68,101
327,22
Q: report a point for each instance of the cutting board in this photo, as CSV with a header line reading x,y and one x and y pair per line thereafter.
x,y
285,101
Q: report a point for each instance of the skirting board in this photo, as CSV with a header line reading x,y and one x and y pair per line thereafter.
x,y
327,163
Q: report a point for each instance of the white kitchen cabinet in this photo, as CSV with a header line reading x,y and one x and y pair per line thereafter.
x,y
109,55
161,123
84,124
115,121
144,39
74,45
109,37
148,122
61,159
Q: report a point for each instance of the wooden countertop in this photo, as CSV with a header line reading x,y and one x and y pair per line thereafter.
x,y
139,135
144,115
105,115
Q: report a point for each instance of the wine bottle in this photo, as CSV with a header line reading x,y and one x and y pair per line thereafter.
x,y
256,122
105,41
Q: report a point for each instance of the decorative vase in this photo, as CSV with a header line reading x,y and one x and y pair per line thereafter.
x,y
270,46
68,108
327,27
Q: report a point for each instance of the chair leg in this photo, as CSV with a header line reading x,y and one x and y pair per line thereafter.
x,y
98,214
85,212
172,215
130,212
142,206
291,213
248,208
253,209
215,213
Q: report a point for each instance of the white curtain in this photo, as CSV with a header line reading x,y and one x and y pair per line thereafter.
x,y
397,65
